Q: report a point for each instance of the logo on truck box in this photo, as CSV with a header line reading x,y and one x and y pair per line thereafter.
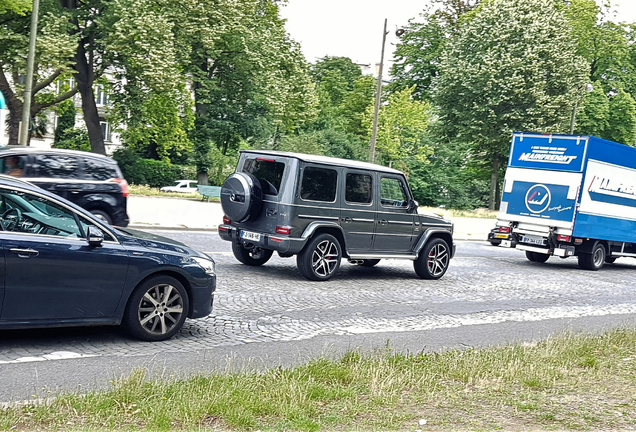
x,y
612,191
546,154
538,198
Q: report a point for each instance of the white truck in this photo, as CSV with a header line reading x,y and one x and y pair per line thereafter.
x,y
566,196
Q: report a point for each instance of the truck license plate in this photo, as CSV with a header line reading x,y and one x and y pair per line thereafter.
x,y
248,235
533,240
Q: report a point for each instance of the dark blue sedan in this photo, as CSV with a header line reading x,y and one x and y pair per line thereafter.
x,y
64,267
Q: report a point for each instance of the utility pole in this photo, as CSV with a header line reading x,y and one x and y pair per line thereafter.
x,y
378,99
28,84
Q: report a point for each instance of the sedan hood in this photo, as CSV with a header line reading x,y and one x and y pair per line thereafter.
x,y
155,241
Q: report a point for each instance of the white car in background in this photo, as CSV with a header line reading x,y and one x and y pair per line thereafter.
x,y
183,186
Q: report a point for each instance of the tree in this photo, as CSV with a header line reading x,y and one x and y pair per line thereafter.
x,y
593,119
53,49
622,119
496,79
417,56
402,123
15,6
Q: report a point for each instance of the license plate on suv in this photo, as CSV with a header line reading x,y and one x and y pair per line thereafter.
x,y
536,240
248,235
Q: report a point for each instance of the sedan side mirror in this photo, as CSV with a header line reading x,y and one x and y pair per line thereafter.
x,y
95,236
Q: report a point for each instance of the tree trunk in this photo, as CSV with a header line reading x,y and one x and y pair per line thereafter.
x,y
493,184
85,80
202,178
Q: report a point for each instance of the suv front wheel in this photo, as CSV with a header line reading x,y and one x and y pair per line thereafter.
x,y
320,259
252,257
433,261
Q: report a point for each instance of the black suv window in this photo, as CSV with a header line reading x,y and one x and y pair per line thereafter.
x,y
267,171
393,192
56,166
319,184
358,188
94,169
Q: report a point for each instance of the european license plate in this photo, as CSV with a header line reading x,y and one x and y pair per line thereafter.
x,y
533,240
503,236
248,235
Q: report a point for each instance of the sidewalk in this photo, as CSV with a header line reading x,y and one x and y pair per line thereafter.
x,y
185,214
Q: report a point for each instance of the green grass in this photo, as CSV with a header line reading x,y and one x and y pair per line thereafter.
x,y
571,382
150,191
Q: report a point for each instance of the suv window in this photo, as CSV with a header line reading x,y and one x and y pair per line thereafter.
x,y
393,192
358,188
56,166
319,184
95,169
267,171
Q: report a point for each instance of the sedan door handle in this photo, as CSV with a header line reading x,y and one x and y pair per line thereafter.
x,y
25,253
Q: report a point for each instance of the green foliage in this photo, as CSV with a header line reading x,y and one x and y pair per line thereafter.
x,y
73,139
496,79
402,123
15,6
418,54
150,172
343,67
593,119
66,114
622,119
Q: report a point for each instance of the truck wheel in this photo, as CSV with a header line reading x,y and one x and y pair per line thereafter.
x,y
241,197
537,257
252,257
595,260
320,258
433,261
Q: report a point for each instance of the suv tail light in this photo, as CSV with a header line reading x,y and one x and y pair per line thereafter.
x,y
283,230
226,220
563,238
504,230
123,183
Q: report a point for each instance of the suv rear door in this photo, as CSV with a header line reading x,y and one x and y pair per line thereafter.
x,y
393,224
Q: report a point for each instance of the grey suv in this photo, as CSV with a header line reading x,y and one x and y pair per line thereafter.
x,y
322,209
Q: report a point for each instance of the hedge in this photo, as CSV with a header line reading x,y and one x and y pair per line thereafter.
x,y
151,172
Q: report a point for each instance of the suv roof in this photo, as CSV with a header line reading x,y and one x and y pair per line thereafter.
x,y
327,160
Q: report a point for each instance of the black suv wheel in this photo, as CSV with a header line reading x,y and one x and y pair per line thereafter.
x,y
320,259
253,257
433,261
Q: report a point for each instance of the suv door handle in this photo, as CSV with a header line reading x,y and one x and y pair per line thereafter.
x,y
25,253
347,219
383,222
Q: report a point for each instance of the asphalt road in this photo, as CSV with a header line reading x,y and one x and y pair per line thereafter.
x,y
270,316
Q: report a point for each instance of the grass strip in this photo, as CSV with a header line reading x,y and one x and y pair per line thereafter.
x,y
569,382
145,190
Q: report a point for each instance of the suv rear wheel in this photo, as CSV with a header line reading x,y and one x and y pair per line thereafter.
x,y
320,259
252,257
102,216
433,261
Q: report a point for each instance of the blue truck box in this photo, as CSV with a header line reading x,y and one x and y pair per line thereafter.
x,y
566,195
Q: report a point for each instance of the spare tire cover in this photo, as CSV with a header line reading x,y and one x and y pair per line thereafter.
x,y
241,197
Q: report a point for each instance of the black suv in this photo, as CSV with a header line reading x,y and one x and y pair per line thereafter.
x,y
89,180
322,209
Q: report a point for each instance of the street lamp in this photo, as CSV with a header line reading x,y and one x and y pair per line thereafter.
x,y
589,88
378,96
28,84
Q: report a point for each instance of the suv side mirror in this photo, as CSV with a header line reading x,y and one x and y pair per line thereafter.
x,y
95,236
413,205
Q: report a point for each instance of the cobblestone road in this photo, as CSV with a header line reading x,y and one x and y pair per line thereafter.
x,y
485,285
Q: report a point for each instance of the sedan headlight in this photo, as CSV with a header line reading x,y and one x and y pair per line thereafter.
x,y
206,264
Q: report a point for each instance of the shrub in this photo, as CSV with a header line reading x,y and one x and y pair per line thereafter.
x,y
150,172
